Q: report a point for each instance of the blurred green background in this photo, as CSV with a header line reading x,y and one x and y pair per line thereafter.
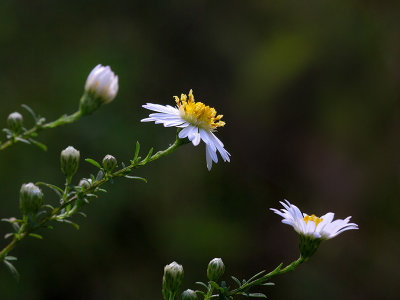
x,y
310,93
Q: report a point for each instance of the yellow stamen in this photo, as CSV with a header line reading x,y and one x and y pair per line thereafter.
x,y
313,218
197,113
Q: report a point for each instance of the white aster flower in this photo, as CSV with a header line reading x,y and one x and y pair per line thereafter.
x,y
197,120
103,82
323,227
101,87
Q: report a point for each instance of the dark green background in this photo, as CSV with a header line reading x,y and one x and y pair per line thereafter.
x,y
310,93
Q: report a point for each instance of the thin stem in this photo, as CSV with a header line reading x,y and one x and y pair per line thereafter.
x,y
38,127
24,231
277,271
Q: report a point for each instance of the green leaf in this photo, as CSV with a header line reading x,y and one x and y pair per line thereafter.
x,y
6,236
255,276
136,177
135,158
214,285
12,269
69,222
267,283
202,284
100,175
144,161
236,280
40,145
37,236
23,140
53,187
93,162
30,110
256,295
9,257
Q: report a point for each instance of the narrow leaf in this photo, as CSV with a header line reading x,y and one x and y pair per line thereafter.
x,y
135,158
12,269
100,175
37,236
255,276
93,162
236,280
40,145
53,187
22,140
9,257
257,295
136,177
202,284
30,110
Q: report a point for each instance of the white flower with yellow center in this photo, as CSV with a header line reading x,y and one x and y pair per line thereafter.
x,y
311,226
197,120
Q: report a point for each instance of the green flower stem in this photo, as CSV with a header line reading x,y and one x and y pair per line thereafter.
x,y
65,119
26,230
277,271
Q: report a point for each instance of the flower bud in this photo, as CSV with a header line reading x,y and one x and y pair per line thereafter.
x,y
172,280
216,269
109,163
189,295
15,121
30,199
69,161
85,183
101,87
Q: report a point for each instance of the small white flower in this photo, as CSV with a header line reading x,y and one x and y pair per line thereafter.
x,y
311,226
197,120
103,83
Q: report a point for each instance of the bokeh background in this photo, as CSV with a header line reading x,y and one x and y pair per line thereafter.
x,y
310,93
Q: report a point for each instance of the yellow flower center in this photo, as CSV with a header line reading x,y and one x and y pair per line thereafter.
x,y
197,113
313,218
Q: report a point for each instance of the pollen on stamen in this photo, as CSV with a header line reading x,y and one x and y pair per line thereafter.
x,y
313,218
197,113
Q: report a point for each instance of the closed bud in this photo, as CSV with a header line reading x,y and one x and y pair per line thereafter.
x,y
172,280
101,87
15,121
216,269
109,163
30,199
69,161
85,183
189,295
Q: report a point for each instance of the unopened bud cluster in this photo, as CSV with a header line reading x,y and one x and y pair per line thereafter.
x,y
101,87
15,122
30,199
215,269
172,280
69,161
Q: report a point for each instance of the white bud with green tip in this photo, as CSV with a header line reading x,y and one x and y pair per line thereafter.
x,y
69,161
189,295
172,280
101,87
15,122
109,163
30,199
215,269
